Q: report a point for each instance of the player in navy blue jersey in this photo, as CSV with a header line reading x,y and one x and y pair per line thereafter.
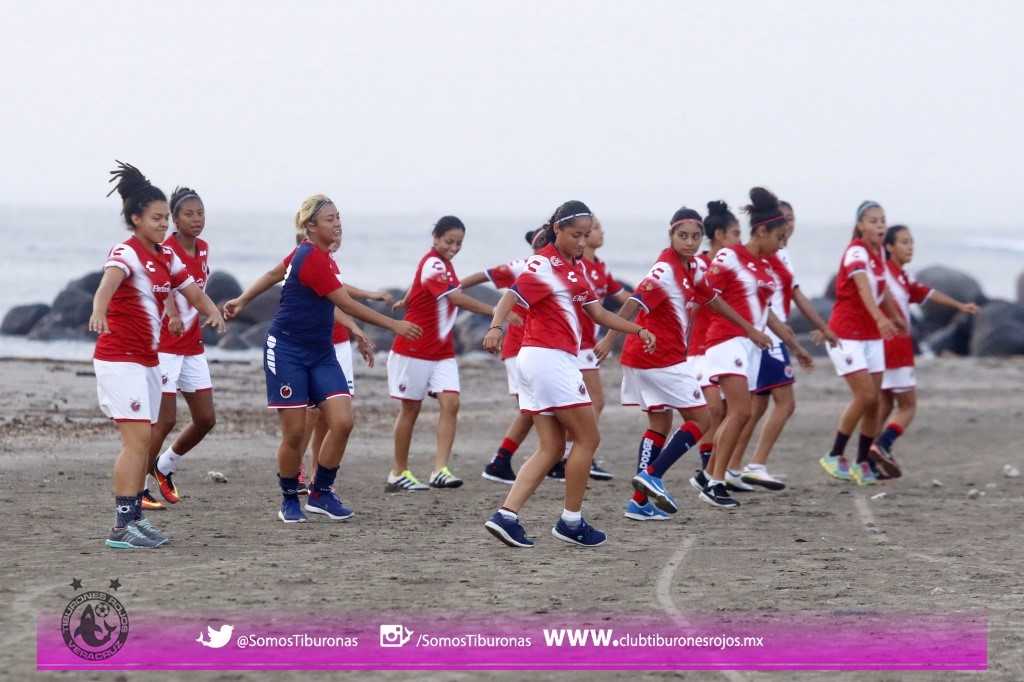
x,y
300,363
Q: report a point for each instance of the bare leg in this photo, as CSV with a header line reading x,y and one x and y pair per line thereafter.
x,y
404,424
784,406
737,395
446,425
758,406
131,464
289,453
337,413
161,429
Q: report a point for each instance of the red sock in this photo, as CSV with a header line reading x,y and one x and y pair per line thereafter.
x,y
639,497
508,447
895,428
706,448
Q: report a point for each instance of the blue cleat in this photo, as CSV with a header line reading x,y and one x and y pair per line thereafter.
x,y
583,535
291,510
509,531
644,512
653,487
328,504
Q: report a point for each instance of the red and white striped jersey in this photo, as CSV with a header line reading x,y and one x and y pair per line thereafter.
x,y
746,283
427,305
503,277
555,290
666,295
899,350
603,284
785,286
850,319
191,340
700,318
137,305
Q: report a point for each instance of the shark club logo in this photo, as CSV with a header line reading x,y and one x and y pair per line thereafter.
x,y
94,624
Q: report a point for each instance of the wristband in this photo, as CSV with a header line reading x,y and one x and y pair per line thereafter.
x,y
498,327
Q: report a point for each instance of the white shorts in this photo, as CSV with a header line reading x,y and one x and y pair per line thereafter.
x,y
550,380
664,388
697,366
343,351
586,359
415,378
128,391
899,380
737,356
515,379
185,373
856,356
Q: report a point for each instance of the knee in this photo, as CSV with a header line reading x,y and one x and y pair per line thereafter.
x,y
341,423
788,408
716,413
450,405
741,413
205,422
292,441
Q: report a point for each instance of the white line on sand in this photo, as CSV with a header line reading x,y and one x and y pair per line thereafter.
x,y
663,593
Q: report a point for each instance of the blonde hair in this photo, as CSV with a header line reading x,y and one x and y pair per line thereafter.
x,y
307,212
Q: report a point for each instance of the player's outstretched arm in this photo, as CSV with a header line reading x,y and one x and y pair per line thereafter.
x,y
340,298
264,282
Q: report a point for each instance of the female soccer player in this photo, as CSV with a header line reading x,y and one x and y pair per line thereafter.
x,y
743,277
427,365
183,365
775,377
557,292
138,275
899,387
299,362
861,325
666,382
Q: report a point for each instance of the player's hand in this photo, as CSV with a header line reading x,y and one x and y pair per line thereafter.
x,y
407,330
514,318
492,339
901,325
650,341
365,347
98,324
399,304
760,339
603,348
232,308
175,325
803,357
886,328
217,322
384,297
969,308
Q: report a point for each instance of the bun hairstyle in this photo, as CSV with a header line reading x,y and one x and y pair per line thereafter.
x,y
764,210
719,218
135,191
890,237
308,211
684,214
179,196
567,213
541,237
445,223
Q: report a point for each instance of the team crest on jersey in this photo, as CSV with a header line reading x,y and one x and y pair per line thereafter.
x,y
135,404
788,372
583,389
286,391
163,379
696,394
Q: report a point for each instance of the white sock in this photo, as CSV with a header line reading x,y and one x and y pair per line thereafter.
x,y
572,518
508,514
168,461
757,467
712,482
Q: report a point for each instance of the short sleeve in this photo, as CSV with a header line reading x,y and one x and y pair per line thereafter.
x,y
650,293
611,285
121,257
316,273
855,259
531,285
434,278
288,259
919,293
501,276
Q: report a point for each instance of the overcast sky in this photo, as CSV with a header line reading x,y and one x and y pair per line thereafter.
x,y
512,107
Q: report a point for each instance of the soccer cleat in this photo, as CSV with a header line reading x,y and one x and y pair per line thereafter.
x,y
146,527
718,496
328,504
583,534
509,531
644,512
836,467
291,510
599,473
500,470
404,481
735,482
652,486
150,503
882,458
445,479
557,472
130,537
699,480
862,474
761,477
168,490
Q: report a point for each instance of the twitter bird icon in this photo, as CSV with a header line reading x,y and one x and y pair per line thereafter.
x,y
215,639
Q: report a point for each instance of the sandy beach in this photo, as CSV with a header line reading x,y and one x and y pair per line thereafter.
x,y
820,545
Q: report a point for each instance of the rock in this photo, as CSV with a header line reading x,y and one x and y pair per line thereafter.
x,y
1011,471
999,330
955,337
469,332
973,493
210,336
959,285
74,306
382,338
221,287
88,283
232,340
256,335
216,477
261,308
1020,288
936,483
800,324
53,327
20,319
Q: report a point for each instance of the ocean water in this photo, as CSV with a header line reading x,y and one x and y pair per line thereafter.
x,y
46,247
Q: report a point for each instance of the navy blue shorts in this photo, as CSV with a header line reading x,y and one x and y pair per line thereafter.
x,y
298,376
776,369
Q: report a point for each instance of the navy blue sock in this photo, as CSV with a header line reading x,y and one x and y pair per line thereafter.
x,y
324,478
137,507
839,446
289,486
705,455
682,440
124,510
650,447
863,445
889,436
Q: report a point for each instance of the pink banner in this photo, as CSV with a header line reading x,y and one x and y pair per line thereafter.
x,y
98,635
